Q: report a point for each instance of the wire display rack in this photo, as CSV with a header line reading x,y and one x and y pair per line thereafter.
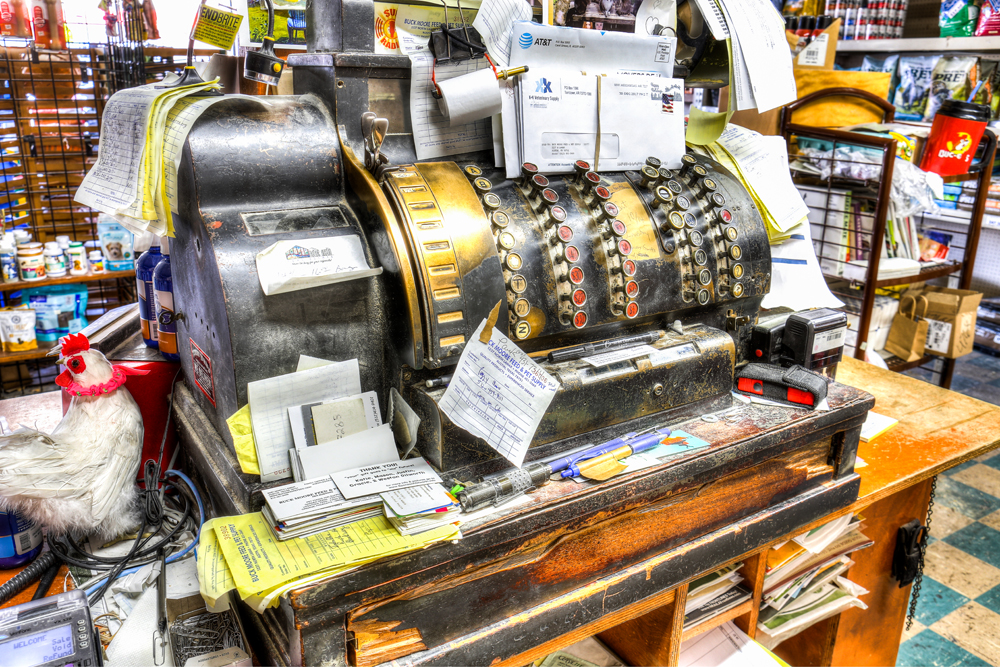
x,y
846,178
51,105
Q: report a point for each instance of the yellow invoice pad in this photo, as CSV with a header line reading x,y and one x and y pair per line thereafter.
x,y
259,561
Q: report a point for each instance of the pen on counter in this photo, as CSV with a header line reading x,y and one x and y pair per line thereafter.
x,y
603,448
580,351
606,465
502,488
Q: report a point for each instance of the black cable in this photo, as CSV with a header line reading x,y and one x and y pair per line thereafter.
x,y
25,577
170,412
474,48
45,583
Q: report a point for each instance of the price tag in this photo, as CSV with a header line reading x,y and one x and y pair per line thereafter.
x,y
216,27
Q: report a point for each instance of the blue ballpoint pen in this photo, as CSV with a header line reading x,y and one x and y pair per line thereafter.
x,y
638,445
596,450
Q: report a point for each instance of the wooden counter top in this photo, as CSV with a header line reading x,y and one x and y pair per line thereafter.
x,y
938,429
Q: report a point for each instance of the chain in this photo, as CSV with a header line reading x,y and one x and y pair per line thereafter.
x,y
915,591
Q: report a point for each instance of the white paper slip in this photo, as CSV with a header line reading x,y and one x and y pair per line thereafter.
x,y
384,477
333,420
269,402
875,425
415,23
762,39
369,447
417,499
712,15
495,23
796,278
306,363
763,161
614,356
433,136
726,646
315,496
498,393
287,266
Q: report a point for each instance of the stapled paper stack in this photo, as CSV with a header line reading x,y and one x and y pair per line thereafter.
x,y
143,134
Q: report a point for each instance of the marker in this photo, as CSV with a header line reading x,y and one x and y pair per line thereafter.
x,y
580,351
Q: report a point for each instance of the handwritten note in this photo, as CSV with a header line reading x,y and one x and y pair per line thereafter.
x,y
269,402
287,266
498,393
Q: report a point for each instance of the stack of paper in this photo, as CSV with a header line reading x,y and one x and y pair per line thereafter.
x,y
241,553
600,96
142,137
418,509
713,594
804,581
761,164
314,506
339,434
814,605
875,425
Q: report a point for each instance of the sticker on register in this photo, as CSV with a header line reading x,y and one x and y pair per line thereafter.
x,y
580,319
565,233
628,268
672,354
572,254
787,386
576,275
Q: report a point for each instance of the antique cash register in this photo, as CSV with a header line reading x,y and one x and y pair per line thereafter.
x,y
590,256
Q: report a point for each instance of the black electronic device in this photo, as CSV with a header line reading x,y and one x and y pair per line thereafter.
x,y
814,339
766,339
52,632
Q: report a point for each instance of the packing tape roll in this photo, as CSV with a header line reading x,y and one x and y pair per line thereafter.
x,y
470,97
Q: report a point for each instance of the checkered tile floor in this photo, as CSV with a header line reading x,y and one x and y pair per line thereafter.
x,y
958,614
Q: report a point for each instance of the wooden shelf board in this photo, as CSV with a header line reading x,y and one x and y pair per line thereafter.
x,y
38,353
897,365
67,280
927,273
716,621
920,44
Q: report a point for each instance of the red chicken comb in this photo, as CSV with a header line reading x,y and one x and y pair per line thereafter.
x,y
73,344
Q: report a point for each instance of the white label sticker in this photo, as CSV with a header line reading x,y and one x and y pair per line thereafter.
x,y
938,336
614,356
814,55
671,354
827,340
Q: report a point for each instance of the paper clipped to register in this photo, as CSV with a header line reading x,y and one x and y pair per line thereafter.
x,y
287,266
497,392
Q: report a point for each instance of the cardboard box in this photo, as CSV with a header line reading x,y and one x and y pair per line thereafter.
x,y
951,320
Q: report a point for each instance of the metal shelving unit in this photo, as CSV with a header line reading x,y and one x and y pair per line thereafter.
x,y
842,239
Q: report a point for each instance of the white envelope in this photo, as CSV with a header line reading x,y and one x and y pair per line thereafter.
x,y
593,51
641,114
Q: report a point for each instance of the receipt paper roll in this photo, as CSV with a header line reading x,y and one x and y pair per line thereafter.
x,y
470,97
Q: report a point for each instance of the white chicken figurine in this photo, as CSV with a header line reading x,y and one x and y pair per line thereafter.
x,y
81,478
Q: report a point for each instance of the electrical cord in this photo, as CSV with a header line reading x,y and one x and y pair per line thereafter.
x,y
177,556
